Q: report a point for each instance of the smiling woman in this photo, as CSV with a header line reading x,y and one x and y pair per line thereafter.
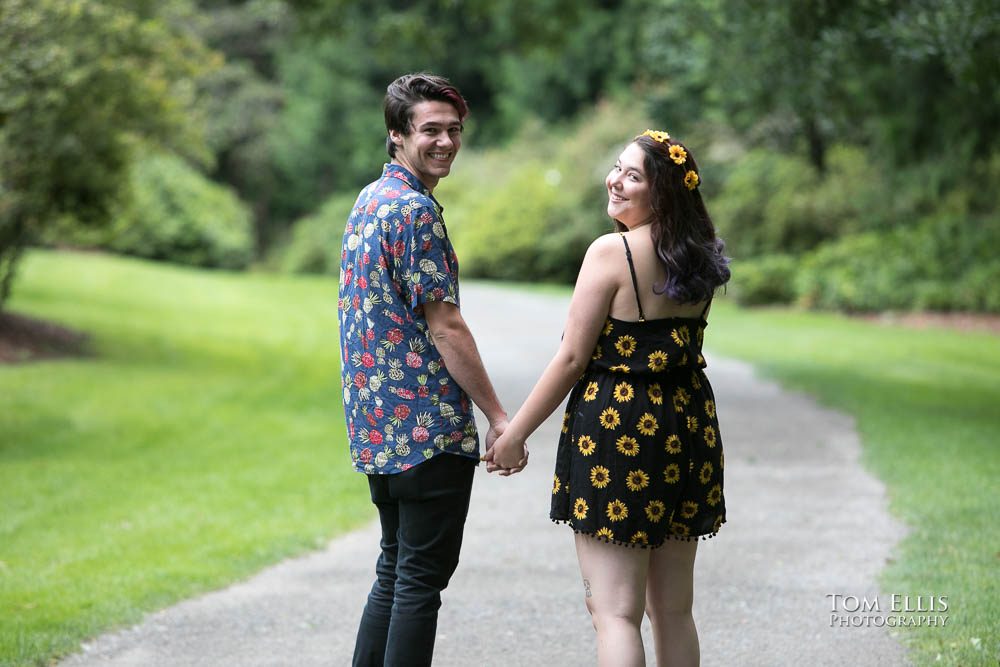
x,y
628,189
629,335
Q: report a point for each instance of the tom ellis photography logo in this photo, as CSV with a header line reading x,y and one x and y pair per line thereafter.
x,y
894,611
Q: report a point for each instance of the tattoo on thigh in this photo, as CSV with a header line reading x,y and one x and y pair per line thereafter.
x,y
586,588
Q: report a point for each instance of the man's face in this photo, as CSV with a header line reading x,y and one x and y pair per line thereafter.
x,y
434,139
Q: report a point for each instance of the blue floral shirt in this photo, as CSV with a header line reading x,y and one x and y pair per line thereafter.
x,y
401,405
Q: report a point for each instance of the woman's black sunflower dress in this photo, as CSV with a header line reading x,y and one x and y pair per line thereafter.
x,y
640,456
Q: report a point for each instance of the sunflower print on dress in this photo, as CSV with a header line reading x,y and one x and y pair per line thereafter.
x,y
642,451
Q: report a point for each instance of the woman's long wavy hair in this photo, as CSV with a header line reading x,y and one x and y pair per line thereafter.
x,y
683,233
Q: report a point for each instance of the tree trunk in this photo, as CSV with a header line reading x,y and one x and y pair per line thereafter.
x,y
12,240
817,144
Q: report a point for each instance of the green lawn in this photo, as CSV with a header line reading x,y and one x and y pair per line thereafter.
x,y
202,440
927,405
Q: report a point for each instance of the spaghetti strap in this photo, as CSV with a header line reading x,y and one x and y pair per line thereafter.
x,y
635,282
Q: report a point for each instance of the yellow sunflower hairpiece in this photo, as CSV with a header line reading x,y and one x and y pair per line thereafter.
x,y
678,154
657,135
691,180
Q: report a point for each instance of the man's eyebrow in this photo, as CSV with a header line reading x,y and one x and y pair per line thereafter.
x,y
433,124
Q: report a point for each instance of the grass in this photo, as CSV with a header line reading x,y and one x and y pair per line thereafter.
x,y
926,406
202,440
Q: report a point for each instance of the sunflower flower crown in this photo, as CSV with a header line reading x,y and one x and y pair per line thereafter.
x,y
677,154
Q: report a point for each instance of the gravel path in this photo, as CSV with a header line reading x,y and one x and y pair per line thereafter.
x,y
805,521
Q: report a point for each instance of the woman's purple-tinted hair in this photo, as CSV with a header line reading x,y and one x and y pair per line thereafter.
x,y
683,233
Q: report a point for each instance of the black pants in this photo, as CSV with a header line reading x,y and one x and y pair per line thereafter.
x,y
422,512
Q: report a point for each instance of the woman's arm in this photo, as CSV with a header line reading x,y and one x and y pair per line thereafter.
x,y
595,287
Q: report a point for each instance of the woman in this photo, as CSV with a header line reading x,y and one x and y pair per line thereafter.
x,y
640,457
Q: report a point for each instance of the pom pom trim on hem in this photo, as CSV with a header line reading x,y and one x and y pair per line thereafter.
x,y
684,538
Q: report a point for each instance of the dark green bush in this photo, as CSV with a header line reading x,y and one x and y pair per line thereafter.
x,y
764,280
314,243
979,289
945,263
174,214
774,203
178,215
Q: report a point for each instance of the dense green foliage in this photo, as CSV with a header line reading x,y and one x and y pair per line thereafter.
x,y
794,113
860,239
925,405
940,265
175,214
813,120
81,83
201,441
243,99
314,245
178,215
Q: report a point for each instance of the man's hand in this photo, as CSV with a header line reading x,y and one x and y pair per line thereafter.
x,y
496,430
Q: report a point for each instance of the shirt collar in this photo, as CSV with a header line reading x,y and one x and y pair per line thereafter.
x,y
392,170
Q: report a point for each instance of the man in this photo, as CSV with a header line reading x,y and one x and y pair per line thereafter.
x,y
410,368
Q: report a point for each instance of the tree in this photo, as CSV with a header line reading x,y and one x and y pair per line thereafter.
x,y
82,84
512,59
802,75
244,98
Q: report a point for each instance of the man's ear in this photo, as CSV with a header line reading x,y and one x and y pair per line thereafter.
x,y
396,137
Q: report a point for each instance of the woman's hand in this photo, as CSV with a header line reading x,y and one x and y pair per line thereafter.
x,y
507,455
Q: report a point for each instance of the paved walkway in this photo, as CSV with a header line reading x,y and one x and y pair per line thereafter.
x,y
805,521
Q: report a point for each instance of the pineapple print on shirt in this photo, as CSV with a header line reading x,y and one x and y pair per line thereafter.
x,y
402,406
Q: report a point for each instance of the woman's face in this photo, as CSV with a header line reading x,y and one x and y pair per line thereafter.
x,y
629,200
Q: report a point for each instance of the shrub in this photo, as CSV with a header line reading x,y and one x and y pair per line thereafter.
x,y
174,214
525,227
979,289
314,243
865,272
177,215
764,280
944,263
777,203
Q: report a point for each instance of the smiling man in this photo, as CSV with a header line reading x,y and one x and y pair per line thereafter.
x,y
411,372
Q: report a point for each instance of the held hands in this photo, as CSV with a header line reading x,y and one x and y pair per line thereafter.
x,y
506,454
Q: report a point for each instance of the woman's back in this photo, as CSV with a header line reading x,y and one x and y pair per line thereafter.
x,y
649,272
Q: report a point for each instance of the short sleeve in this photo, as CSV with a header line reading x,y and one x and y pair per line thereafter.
x,y
431,266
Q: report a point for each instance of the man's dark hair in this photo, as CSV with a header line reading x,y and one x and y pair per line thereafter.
x,y
409,90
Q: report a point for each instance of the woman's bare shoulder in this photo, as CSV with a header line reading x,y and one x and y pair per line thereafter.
x,y
606,245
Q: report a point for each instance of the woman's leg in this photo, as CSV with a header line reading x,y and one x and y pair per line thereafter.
x,y
614,580
669,598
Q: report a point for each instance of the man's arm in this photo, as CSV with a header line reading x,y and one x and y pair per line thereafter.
x,y
458,349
